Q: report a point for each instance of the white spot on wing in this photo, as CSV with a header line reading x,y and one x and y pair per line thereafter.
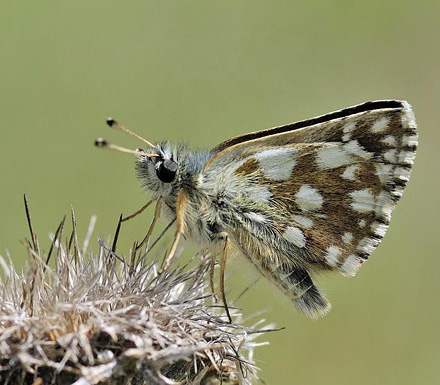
x,y
349,127
260,218
410,140
309,198
367,245
397,192
277,163
363,201
379,228
350,266
349,172
303,221
402,173
406,157
347,237
389,140
384,172
332,255
333,157
353,147
259,194
384,205
390,156
295,236
380,125
362,223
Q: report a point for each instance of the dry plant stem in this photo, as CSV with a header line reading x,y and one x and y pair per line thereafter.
x,y
31,228
89,234
150,248
99,318
116,236
55,238
74,236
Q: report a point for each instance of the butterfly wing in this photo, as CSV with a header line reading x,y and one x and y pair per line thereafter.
x,y
316,195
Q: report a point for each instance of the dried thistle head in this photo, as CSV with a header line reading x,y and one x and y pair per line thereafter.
x,y
100,318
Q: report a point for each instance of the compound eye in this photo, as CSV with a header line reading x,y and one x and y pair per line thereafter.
x,y
166,171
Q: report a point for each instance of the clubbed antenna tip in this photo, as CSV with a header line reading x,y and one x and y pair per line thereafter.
x,y
111,122
114,124
101,142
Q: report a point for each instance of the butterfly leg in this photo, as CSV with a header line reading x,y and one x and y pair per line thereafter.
x,y
136,213
180,211
153,223
223,259
211,275
304,294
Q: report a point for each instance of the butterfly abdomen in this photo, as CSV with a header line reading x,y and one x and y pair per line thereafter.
x,y
282,264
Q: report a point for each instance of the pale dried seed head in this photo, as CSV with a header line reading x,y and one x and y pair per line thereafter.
x,y
93,318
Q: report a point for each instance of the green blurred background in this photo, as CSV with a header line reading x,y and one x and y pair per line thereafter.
x,y
204,71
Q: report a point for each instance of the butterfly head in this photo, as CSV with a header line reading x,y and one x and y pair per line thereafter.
x,y
158,168
157,165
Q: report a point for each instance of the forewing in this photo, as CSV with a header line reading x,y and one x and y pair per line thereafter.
x,y
327,189
316,129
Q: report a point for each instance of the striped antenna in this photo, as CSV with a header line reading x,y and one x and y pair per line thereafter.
x,y
102,143
114,124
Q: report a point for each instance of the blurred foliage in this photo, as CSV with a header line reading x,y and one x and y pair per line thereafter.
x,y
203,71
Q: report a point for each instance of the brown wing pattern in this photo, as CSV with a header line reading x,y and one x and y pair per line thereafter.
x,y
316,197
333,185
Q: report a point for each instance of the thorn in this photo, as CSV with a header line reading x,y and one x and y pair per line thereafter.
x,y
115,239
55,238
31,228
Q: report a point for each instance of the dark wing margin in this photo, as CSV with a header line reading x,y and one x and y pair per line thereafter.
x,y
367,106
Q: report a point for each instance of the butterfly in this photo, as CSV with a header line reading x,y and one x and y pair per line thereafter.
x,y
296,200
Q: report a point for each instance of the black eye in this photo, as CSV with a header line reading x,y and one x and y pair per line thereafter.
x,y
166,170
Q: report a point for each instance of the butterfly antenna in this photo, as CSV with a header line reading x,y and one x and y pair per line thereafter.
x,y
115,124
102,143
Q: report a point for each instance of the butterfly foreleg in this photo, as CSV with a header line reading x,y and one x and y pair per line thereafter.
x,y
180,213
140,211
153,223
